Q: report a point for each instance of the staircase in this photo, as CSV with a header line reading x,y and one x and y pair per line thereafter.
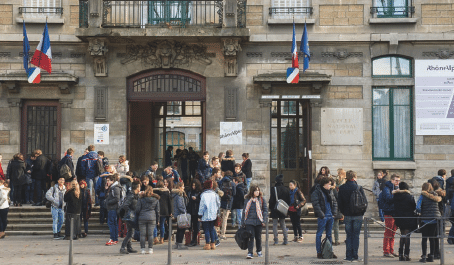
x,y
37,220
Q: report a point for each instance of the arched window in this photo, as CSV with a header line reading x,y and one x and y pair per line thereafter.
x,y
391,66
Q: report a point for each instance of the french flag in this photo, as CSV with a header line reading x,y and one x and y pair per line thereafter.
x,y
293,73
42,57
33,74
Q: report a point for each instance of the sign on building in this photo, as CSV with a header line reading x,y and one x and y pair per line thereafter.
x,y
434,97
342,126
101,134
231,133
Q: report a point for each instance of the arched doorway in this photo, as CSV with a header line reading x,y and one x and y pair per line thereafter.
x,y
168,103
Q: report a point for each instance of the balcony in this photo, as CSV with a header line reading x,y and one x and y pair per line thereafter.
x,y
30,14
392,14
163,18
288,15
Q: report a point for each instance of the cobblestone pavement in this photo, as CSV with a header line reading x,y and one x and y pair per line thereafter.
x,y
91,250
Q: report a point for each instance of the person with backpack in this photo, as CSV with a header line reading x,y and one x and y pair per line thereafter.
x,y
404,206
255,213
113,198
129,205
387,204
441,176
282,193
90,167
180,201
56,196
228,188
100,188
325,208
353,211
148,214
238,202
297,201
86,206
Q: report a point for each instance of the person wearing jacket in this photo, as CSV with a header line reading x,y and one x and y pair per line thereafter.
x,y
112,198
166,209
91,168
238,202
450,199
67,160
387,204
148,211
255,213
428,207
73,200
100,189
352,220
404,206
203,169
379,184
441,176
246,168
86,206
39,176
171,174
283,193
193,209
4,207
325,208
56,196
122,166
16,175
208,209
228,187
338,214
129,204
297,201
2,175
228,163
180,201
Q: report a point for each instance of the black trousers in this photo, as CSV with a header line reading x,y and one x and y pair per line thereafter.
x,y
68,224
194,227
296,223
180,235
256,231
429,231
404,244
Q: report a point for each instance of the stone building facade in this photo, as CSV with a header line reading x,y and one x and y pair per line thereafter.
x,y
154,69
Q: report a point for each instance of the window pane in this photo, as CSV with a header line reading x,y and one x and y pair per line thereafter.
x,y
391,66
289,134
400,66
381,131
381,97
401,96
402,132
274,147
381,66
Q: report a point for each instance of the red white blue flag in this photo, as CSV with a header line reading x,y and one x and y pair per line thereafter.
x,y
33,74
293,73
42,57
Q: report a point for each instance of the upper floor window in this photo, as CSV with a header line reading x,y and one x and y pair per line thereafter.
x,y
392,8
288,9
41,8
391,67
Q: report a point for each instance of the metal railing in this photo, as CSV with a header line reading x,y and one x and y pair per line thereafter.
x,y
83,14
393,12
40,10
141,14
291,11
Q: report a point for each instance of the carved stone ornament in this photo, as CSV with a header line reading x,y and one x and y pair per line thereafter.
x,y
97,47
442,54
100,66
342,54
231,47
167,54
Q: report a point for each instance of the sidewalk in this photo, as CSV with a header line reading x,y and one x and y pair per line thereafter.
x,y
92,250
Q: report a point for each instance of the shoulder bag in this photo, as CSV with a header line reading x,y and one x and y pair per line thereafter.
x,y
281,205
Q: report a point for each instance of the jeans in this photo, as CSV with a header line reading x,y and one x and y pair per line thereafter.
x,y
37,185
381,213
323,224
3,219
112,222
296,223
336,230
210,232
352,229
127,241
68,224
28,193
248,183
58,218
146,227
237,216
283,227
390,231
256,231
225,216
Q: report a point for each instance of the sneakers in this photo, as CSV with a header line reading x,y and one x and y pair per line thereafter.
x,y
150,251
249,256
223,237
131,250
217,243
123,251
142,251
56,237
300,240
259,254
388,255
111,242
115,242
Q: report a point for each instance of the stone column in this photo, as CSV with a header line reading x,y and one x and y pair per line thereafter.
x,y
95,13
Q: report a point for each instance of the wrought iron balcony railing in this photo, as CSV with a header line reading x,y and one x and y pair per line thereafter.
x,y
290,10
393,12
40,10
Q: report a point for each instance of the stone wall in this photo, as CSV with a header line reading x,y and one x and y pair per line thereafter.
x,y
341,15
437,14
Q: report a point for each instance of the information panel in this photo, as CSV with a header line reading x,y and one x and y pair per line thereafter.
x,y
101,134
434,102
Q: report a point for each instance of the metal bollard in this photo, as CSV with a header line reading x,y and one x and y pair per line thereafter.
x,y
366,235
71,241
442,244
169,255
267,244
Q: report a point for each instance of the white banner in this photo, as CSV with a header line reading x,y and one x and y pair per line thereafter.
x,y
231,133
434,102
101,134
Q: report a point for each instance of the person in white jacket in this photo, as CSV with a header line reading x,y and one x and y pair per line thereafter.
x,y
55,195
122,166
4,207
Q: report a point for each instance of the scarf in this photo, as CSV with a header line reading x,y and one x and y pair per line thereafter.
x,y
257,208
292,196
327,194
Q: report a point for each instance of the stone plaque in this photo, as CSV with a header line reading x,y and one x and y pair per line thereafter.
x,y
342,126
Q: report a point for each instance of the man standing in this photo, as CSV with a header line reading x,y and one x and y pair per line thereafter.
x,y
168,156
55,195
90,168
193,162
152,169
386,200
39,175
283,193
67,160
79,169
441,178
112,198
353,219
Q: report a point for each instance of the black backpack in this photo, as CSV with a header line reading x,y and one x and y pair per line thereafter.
x,y
242,237
227,189
358,201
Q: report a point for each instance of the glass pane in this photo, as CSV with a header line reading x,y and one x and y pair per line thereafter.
x,y
274,107
402,132
381,66
401,96
391,66
189,109
400,66
380,120
197,110
289,136
381,96
273,122
273,147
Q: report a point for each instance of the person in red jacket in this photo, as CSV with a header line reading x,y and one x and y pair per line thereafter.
x,y
2,176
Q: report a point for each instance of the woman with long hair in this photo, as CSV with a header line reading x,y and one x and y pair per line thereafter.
x,y
86,206
165,209
208,209
246,168
73,200
254,215
180,201
148,211
16,174
297,201
193,209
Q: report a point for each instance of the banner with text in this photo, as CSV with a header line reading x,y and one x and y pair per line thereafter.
x,y
231,133
434,101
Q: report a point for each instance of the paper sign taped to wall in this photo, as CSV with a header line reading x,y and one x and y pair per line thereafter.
x,y
231,133
101,134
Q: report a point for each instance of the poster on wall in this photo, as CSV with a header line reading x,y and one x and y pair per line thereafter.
x,y
101,134
231,133
434,97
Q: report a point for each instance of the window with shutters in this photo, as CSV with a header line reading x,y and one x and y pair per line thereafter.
x,y
41,8
288,9
100,103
